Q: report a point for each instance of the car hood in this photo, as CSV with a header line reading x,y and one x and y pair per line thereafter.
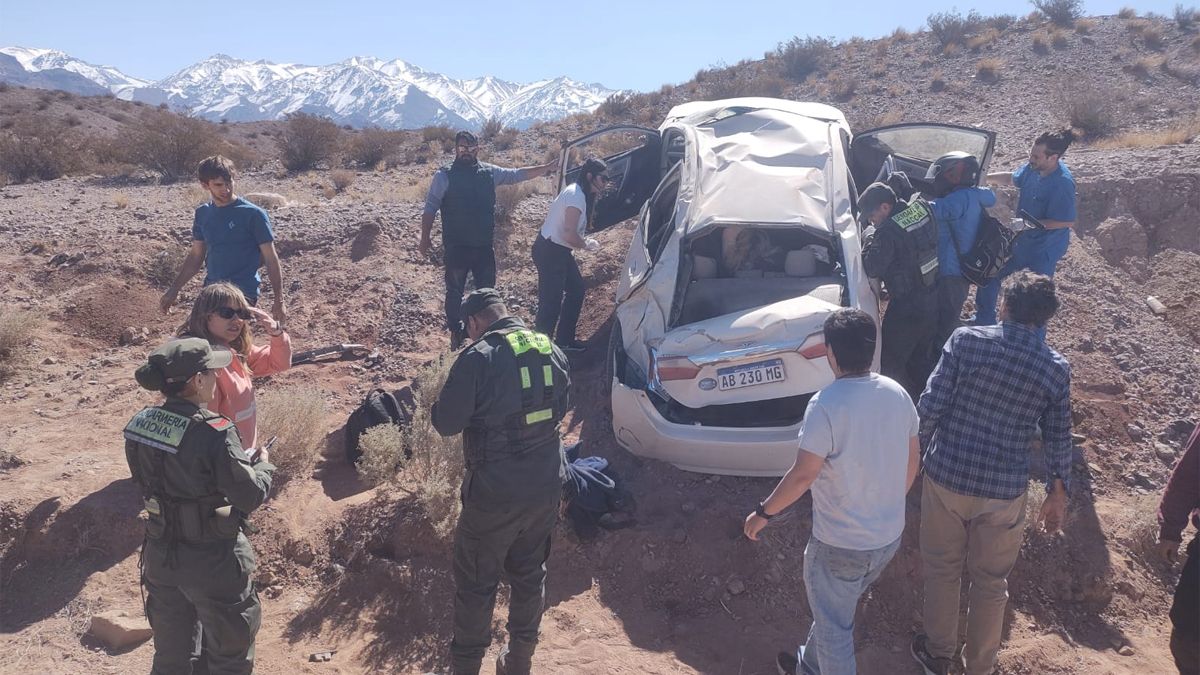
x,y
788,322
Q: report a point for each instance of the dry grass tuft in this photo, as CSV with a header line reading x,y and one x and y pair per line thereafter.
x,y
937,81
1153,38
982,40
1041,43
18,329
842,87
1058,38
342,179
988,70
1085,26
507,198
901,34
1182,132
163,266
296,415
1145,65
120,201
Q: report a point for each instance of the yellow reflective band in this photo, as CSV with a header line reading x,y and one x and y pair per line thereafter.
x,y
522,341
914,214
547,376
525,383
538,416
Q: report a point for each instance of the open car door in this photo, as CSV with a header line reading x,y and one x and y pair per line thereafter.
x,y
912,148
633,157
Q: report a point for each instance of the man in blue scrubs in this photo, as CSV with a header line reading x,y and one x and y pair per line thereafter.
x,y
1047,192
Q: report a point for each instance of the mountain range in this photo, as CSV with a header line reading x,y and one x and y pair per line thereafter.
x,y
360,91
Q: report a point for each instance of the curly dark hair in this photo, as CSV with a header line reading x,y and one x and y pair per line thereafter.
x,y
1056,142
1029,298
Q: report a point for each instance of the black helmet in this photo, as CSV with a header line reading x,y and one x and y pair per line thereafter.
x,y
951,170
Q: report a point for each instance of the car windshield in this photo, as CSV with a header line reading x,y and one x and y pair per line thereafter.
x,y
929,143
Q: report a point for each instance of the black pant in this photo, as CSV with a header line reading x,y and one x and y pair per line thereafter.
x,y
909,329
480,262
951,294
1185,614
486,543
560,290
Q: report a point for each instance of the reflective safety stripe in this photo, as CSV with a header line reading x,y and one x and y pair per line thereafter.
x,y
547,376
539,416
915,214
522,340
929,266
525,383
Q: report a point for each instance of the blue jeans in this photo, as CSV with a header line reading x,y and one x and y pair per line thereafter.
x,y
834,579
1034,258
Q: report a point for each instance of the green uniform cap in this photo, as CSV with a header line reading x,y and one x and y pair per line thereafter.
x,y
477,300
178,361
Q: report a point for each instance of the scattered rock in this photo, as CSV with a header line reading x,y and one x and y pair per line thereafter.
x,y
134,336
302,552
267,200
49,361
736,587
118,630
1135,432
1125,650
322,657
1120,238
688,507
1165,453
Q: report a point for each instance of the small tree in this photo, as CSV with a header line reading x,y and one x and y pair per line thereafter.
x,y
374,145
41,150
800,57
308,140
1061,12
491,127
168,143
952,28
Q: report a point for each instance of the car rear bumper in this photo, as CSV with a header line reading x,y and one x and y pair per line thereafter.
x,y
640,429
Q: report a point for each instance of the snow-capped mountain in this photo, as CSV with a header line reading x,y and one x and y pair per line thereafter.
x,y
360,91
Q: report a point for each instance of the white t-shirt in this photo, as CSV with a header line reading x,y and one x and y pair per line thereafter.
x,y
861,426
555,224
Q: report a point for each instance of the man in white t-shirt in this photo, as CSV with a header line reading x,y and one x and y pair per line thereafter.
x,y
859,454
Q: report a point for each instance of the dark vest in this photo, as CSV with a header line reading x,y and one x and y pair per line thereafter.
x,y
469,206
916,263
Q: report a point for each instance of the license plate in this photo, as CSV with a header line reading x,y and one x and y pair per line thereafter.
x,y
751,374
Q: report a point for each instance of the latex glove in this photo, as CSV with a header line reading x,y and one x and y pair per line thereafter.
x,y
591,244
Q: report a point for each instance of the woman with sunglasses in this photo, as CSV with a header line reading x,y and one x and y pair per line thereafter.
x,y
222,316
560,285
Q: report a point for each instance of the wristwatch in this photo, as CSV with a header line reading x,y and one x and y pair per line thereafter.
x,y
762,513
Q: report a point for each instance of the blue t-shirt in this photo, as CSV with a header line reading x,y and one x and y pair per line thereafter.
x,y
961,211
1049,197
232,235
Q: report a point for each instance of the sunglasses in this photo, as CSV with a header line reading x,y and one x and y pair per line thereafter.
x,y
229,313
468,148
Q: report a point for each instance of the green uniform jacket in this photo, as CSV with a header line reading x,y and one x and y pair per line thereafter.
x,y
184,454
484,386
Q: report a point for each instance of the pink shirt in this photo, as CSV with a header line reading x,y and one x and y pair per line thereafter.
x,y
235,393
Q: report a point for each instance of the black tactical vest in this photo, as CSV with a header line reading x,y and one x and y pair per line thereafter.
x,y
917,254
469,206
537,386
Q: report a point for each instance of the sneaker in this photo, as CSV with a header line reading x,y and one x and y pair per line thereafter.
x,y
930,664
574,346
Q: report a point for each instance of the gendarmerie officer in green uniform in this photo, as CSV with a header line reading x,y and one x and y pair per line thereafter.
x,y
506,394
198,485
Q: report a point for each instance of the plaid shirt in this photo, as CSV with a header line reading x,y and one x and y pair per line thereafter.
x,y
980,407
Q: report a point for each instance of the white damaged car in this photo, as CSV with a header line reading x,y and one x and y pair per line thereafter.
x,y
747,240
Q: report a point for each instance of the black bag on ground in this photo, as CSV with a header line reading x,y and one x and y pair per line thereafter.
x,y
378,407
990,252
593,496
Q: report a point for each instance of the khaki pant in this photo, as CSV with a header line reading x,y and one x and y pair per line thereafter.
x,y
987,534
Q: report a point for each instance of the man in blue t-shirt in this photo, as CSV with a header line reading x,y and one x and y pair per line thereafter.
x,y
1047,192
232,238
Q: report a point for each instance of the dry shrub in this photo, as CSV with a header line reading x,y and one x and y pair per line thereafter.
x,y
616,107
1058,38
491,127
506,139
342,179
167,143
441,135
1185,17
882,47
1060,12
374,145
382,457
1183,72
295,414
1001,22
1090,107
842,87
1153,38
1127,13
1196,44
163,266
18,328
308,141
1041,43
507,198
953,28
988,70
937,81
951,49
1181,132
1138,27
801,57
120,201
901,34
33,149
982,40
1145,65
1085,26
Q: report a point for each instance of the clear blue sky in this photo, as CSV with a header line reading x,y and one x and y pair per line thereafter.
x,y
621,44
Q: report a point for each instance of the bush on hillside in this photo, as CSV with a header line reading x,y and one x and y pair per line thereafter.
x,y
308,141
1061,12
801,57
167,143
373,145
507,198
18,328
1127,13
441,135
615,107
1185,17
953,28
491,127
382,457
1090,107
342,179
505,138
297,416
39,150
988,70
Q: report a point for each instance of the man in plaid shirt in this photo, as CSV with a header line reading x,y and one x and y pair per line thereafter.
x,y
992,388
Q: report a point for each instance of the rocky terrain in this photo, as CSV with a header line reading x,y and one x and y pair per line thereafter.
x,y
359,572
